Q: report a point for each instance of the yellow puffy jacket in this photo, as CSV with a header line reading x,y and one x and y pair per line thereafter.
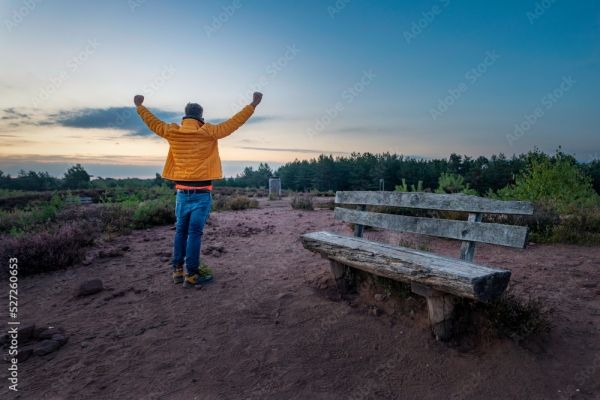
x,y
193,149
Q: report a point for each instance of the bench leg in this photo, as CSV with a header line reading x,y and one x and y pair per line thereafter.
x,y
440,308
339,272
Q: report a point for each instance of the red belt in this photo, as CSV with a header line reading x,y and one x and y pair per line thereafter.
x,y
184,187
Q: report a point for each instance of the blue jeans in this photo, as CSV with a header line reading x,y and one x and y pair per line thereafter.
x,y
191,211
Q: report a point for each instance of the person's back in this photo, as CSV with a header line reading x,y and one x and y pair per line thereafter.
x,y
193,148
193,162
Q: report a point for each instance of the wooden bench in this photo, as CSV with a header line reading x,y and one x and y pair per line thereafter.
x,y
440,279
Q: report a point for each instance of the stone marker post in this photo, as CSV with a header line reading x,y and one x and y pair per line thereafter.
x,y
274,188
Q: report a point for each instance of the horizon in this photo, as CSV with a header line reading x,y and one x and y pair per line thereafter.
x,y
230,169
429,78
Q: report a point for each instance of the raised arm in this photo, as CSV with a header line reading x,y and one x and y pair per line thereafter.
x,y
154,124
228,127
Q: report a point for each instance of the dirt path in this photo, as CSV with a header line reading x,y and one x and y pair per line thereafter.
x,y
270,328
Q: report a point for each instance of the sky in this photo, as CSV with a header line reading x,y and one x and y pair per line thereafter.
x,y
419,78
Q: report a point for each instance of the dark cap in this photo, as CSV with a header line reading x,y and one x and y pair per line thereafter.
x,y
194,111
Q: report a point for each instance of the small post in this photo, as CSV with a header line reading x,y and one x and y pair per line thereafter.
x,y
381,185
274,188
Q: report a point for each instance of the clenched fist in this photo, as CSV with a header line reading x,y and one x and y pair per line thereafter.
x,y
256,99
138,100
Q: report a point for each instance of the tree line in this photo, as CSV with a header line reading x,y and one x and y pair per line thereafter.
x,y
364,171
358,171
76,177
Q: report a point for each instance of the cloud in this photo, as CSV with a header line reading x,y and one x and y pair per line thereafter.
x,y
11,119
11,114
121,118
291,150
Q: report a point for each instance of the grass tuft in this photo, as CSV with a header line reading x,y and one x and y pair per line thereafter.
x,y
302,202
234,203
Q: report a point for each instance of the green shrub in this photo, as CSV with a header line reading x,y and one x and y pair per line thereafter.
x,y
18,221
115,218
121,217
592,169
556,183
24,200
578,226
453,183
567,206
154,212
542,223
9,194
404,187
302,202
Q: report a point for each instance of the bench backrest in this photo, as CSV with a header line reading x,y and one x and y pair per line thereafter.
x,y
471,231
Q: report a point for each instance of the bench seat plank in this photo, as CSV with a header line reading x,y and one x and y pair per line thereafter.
x,y
499,234
461,278
435,201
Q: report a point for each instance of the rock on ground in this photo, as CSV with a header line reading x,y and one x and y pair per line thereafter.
x,y
90,287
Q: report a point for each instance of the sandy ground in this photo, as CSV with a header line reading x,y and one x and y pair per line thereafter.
x,y
272,327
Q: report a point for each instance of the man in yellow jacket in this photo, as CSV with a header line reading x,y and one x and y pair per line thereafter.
x,y
193,162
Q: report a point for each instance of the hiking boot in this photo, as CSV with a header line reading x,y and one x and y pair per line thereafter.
x,y
178,275
196,280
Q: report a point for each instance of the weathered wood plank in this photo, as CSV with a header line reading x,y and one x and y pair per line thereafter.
x,y
504,235
445,274
467,249
434,201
